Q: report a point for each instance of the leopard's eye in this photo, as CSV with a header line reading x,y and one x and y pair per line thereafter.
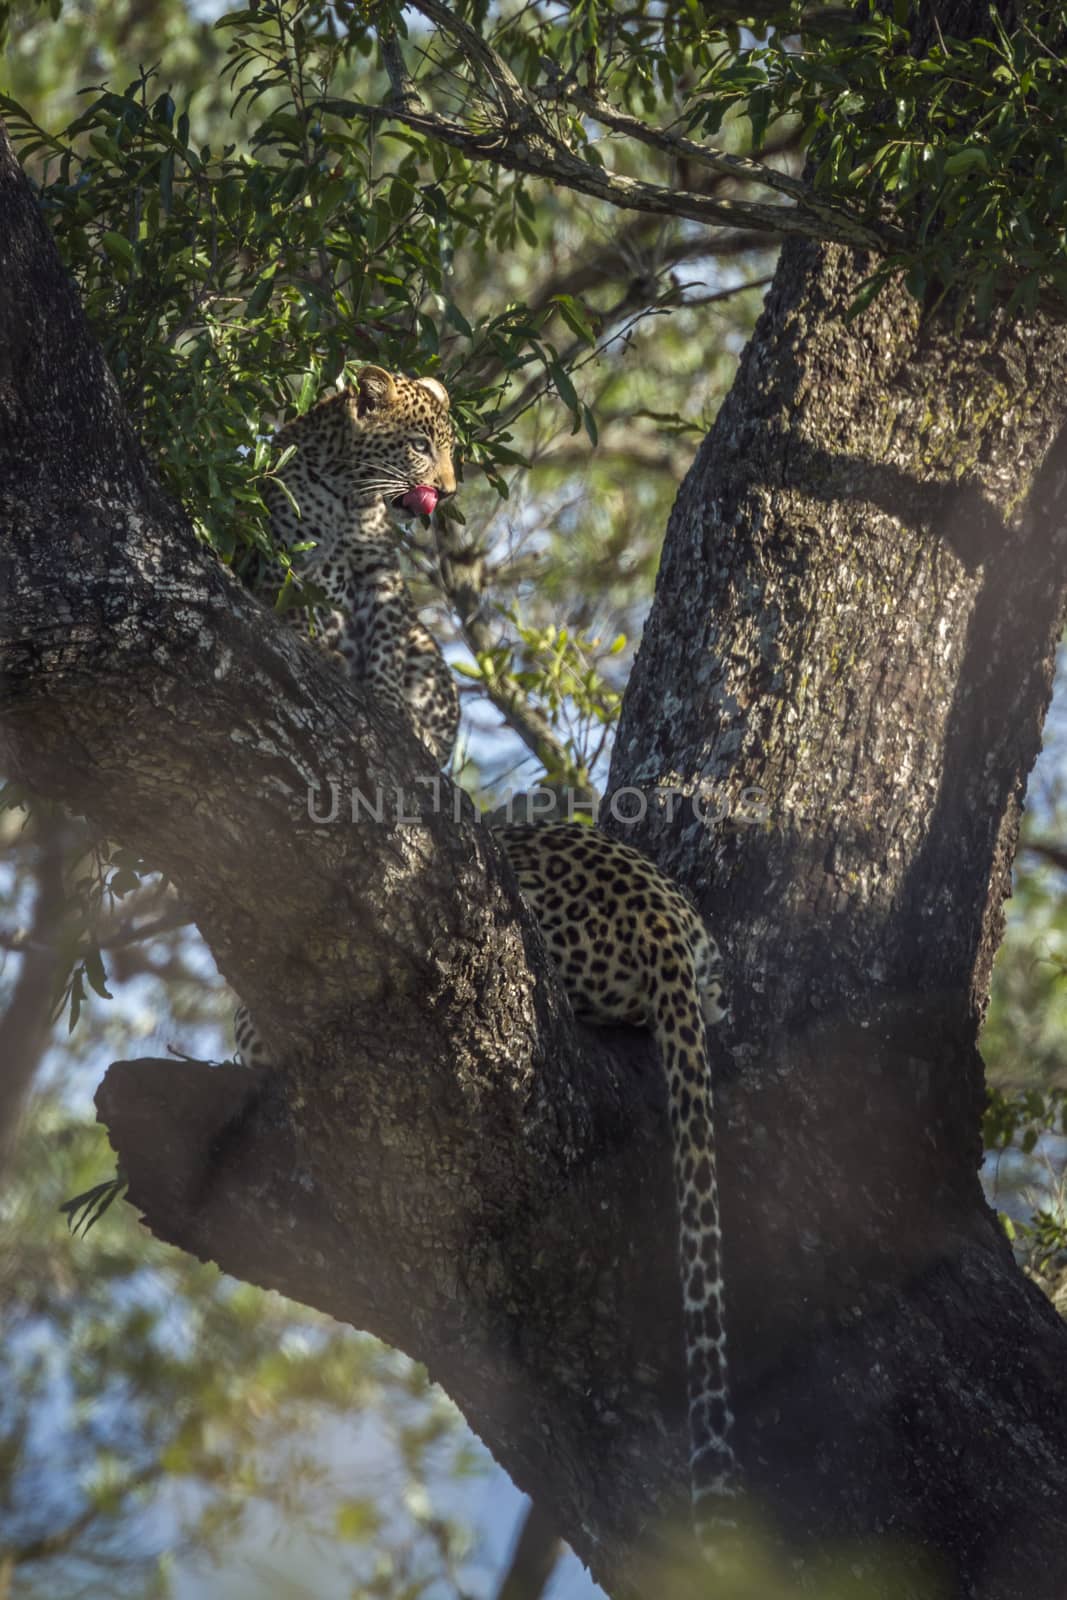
x,y
422,445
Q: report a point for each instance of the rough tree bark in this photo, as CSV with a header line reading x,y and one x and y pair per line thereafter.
x,y
861,591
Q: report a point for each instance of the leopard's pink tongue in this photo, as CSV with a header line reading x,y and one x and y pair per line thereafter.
x,y
421,499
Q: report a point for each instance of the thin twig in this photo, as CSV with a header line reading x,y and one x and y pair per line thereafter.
x,y
679,147
1054,854
463,581
533,1560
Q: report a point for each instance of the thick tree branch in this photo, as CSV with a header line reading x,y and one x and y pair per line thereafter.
x,y
519,149
514,101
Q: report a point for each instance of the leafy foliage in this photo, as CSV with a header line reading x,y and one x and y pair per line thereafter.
x,y
948,148
1028,1126
962,141
230,285
562,672
1024,1042
1021,1119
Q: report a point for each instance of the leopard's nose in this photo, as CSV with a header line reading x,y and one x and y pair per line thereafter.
x,y
446,479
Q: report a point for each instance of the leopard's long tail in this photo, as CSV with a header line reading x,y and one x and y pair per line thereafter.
x,y
679,1027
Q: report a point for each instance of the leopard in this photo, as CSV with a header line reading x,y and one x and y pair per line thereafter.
x,y
384,442
628,945
381,443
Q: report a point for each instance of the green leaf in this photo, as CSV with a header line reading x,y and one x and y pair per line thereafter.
x,y
163,110
965,161
308,390
86,1209
77,1000
94,971
357,1520
868,292
564,387
260,295
590,425
915,280
575,318
118,247
455,316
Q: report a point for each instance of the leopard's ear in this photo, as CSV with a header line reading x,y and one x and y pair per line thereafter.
x,y
375,390
438,390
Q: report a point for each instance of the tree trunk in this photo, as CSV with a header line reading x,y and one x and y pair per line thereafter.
x,y
857,610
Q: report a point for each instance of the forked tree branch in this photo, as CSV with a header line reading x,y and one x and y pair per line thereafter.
x,y
519,149
521,139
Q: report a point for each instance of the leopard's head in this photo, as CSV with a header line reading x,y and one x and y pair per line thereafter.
x,y
403,439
